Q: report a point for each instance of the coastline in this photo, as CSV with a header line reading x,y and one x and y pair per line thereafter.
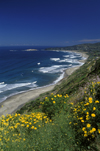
x,y
15,102
69,71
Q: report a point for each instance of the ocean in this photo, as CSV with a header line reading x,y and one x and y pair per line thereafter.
x,y
22,69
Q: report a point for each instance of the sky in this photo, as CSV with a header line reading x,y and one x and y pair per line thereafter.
x,y
49,22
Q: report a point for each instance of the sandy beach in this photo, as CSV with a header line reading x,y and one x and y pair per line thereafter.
x,y
15,102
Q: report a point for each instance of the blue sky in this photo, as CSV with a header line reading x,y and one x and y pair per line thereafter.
x,y
49,22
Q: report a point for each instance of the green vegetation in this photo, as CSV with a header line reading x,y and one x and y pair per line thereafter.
x,y
64,119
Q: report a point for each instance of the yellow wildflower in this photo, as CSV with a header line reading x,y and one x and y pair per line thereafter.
x,y
54,102
84,109
87,103
16,114
90,100
27,126
88,125
94,108
99,131
85,135
93,129
32,127
96,101
93,115
58,95
67,95
83,128
85,132
45,117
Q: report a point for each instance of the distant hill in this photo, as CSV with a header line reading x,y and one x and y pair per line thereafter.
x,y
92,49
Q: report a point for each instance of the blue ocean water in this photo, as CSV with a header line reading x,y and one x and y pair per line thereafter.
x,y
22,70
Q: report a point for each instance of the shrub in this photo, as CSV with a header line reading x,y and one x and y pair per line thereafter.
x,y
53,104
85,118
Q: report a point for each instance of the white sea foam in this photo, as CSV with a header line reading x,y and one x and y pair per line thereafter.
x,y
55,59
38,63
53,69
3,85
72,56
70,65
69,61
66,56
32,86
13,86
64,60
61,77
48,69
34,82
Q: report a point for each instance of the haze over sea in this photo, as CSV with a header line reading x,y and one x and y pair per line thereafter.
x,y
22,70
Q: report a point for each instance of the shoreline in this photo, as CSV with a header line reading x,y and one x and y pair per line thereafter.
x,y
15,102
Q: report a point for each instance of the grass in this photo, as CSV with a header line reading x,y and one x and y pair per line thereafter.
x,y
56,125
